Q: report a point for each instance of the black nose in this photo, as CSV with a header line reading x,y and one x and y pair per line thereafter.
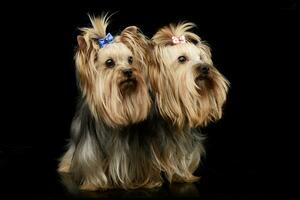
x,y
127,72
204,69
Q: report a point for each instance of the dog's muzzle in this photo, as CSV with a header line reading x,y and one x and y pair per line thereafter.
x,y
127,72
203,71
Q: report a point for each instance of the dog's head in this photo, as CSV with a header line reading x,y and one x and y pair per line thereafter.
x,y
111,73
189,89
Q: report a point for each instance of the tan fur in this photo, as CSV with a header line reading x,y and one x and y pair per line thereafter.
x,y
117,140
180,158
101,85
66,160
114,106
179,98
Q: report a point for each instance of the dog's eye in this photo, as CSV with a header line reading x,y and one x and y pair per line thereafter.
x,y
182,59
130,60
110,63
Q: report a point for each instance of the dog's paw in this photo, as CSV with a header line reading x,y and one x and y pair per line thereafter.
x,y
187,179
63,168
89,187
153,184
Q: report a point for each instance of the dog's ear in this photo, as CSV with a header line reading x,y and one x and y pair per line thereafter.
x,y
138,44
131,29
84,71
133,38
81,42
85,46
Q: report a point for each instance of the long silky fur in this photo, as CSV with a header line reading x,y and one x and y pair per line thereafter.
x,y
179,100
104,112
136,156
105,152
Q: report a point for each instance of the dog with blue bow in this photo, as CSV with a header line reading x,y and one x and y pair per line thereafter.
x,y
114,102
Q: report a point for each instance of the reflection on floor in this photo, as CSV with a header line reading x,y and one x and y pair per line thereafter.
x,y
173,190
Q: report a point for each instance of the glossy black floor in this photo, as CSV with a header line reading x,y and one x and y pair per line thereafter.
x,y
252,45
29,171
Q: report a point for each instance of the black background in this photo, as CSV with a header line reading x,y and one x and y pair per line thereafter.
x,y
252,44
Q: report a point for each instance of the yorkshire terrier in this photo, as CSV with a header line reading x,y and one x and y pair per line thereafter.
x,y
189,93
142,103
114,100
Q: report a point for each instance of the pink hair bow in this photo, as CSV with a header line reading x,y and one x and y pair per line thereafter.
x,y
177,40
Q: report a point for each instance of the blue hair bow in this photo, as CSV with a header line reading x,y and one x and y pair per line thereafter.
x,y
105,41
